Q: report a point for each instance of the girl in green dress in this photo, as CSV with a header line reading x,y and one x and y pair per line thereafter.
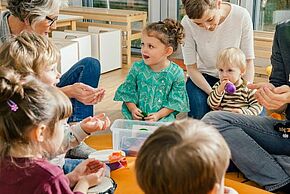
x,y
154,89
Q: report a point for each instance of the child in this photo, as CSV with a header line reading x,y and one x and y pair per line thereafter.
x,y
184,157
155,87
30,53
32,119
231,65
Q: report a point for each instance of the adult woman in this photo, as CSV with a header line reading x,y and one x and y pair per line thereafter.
x,y
211,26
80,81
258,148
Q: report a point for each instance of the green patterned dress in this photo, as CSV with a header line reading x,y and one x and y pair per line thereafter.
x,y
152,91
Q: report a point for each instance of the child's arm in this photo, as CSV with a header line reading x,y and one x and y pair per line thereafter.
x,y
159,115
135,111
254,108
215,97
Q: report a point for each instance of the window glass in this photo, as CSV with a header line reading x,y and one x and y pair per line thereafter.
x,y
272,12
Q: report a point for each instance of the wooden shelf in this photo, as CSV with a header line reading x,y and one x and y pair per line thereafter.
x,y
111,18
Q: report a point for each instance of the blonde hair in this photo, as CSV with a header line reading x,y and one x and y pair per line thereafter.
x,y
169,31
195,9
29,53
185,157
36,103
232,57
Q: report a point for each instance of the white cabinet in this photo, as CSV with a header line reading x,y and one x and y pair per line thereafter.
x,y
105,46
69,54
84,42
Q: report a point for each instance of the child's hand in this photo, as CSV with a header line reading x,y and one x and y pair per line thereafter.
x,y
89,173
152,117
137,114
221,87
95,123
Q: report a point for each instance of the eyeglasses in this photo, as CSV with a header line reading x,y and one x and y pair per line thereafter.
x,y
51,20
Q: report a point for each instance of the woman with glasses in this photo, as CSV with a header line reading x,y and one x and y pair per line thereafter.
x,y
79,83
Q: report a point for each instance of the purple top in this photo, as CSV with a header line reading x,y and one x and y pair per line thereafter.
x,y
32,177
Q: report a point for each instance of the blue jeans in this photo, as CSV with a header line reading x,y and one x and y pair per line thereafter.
x,y
86,71
70,164
198,98
259,152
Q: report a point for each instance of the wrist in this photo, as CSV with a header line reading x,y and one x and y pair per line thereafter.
x,y
67,91
73,178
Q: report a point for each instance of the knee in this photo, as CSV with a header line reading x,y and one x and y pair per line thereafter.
x,y
91,63
211,117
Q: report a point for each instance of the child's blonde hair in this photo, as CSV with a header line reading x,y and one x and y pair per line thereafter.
x,y
184,157
29,53
232,57
169,31
24,104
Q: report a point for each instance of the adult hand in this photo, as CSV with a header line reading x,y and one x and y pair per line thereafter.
x,y
95,123
137,114
152,117
84,93
270,97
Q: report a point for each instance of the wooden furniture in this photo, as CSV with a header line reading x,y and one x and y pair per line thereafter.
x,y
112,18
68,20
125,177
263,49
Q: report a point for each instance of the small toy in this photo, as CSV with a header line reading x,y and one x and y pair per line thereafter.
x,y
230,88
144,115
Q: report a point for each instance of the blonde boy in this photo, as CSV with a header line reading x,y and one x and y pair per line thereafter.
x,y
185,157
231,65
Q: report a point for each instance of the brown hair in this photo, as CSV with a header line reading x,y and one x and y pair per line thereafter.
x,y
195,9
169,31
29,53
232,57
184,157
36,103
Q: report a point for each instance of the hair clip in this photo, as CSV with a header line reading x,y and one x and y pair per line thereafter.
x,y
13,106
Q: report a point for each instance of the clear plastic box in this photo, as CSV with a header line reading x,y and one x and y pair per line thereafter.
x,y
129,135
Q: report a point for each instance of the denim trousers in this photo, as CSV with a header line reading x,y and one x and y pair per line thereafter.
x,y
86,71
259,151
70,164
198,98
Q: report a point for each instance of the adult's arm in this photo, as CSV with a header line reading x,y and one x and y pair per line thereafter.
x,y
197,78
247,45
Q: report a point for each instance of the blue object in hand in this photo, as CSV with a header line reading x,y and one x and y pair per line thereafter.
x,y
230,88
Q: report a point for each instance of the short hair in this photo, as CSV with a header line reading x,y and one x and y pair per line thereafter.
x,y
232,57
36,103
185,157
29,53
195,9
169,31
33,10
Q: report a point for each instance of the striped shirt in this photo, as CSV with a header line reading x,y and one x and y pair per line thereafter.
x,y
243,99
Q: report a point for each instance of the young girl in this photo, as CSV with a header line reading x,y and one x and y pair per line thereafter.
x,y
155,87
30,53
231,65
32,120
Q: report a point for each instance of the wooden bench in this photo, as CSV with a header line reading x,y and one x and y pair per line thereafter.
x,y
263,49
112,18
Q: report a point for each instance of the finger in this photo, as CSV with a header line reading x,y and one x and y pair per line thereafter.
x,y
100,115
281,89
85,120
107,123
